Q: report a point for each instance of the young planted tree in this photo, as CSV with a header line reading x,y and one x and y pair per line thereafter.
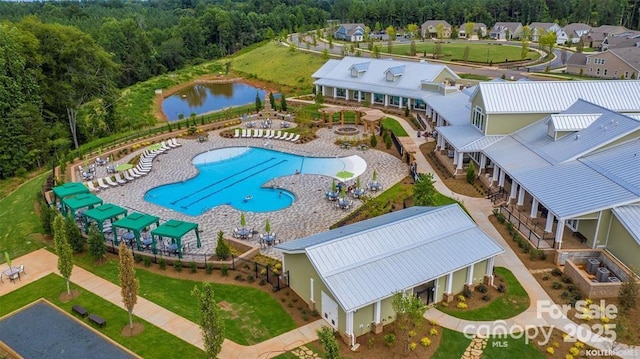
x,y
412,48
376,52
424,191
272,100
465,54
97,248
74,235
222,248
471,173
468,29
258,102
63,249
409,315
211,322
628,294
129,284
329,343
319,99
283,102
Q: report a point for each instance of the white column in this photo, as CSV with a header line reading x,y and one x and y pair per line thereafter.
x,y
324,91
514,189
409,103
439,120
560,232
460,160
335,92
349,328
455,157
470,274
520,195
496,174
359,96
318,89
449,282
534,208
400,102
386,100
490,266
549,224
501,179
440,142
346,94
378,311
435,286
483,161
311,296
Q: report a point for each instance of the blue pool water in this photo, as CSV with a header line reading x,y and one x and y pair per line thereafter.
x,y
234,176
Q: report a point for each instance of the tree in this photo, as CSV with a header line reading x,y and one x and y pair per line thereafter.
x,y
129,284
272,100
74,235
391,33
325,54
413,30
471,173
468,29
211,322
437,50
283,102
412,48
628,293
548,39
440,31
319,98
222,248
409,315
524,42
376,52
97,248
63,249
424,192
580,45
258,102
373,141
329,343
390,46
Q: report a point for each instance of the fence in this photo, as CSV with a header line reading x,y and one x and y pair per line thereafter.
x,y
525,226
421,121
269,273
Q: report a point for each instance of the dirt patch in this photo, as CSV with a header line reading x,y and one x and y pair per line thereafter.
x,y
531,264
129,331
224,306
65,297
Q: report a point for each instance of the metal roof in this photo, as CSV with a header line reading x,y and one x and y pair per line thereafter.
x,y
481,143
361,67
454,108
620,163
557,96
629,216
572,122
460,136
374,263
396,70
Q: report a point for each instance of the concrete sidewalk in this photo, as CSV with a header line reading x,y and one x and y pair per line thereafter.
x,y
41,263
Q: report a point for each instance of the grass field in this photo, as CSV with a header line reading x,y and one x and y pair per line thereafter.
x,y
483,53
254,316
277,64
394,126
153,342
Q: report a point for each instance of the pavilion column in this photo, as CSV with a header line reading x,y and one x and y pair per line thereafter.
x,y
496,174
514,189
548,226
409,103
359,96
386,100
440,142
460,160
520,195
400,102
372,98
346,94
560,232
449,282
470,274
488,278
534,208
501,179
483,162
438,120
324,92
455,157
318,89
377,317
335,92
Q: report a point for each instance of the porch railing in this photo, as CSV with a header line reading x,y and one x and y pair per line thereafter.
x,y
529,229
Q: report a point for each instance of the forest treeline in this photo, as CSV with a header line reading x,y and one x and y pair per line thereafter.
x,y
56,56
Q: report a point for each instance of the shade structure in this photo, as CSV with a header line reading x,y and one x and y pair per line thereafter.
x,y
175,230
80,201
123,166
154,147
102,213
135,222
68,189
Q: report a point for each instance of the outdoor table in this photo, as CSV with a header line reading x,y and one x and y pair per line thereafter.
x,y
243,233
269,239
128,237
146,242
331,195
11,271
358,192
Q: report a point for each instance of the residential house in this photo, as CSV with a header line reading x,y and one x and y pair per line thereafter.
x,y
540,28
506,31
350,32
597,35
429,29
619,63
350,274
389,83
572,33
624,39
479,31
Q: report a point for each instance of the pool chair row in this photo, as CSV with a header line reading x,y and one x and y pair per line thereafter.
x,y
269,134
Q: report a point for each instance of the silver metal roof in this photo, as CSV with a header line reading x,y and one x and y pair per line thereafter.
x,y
629,216
481,143
361,67
557,96
620,163
460,136
572,122
372,264
455,108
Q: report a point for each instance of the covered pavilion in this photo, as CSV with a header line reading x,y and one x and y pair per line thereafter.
x,y
368,116
135,222
102,213
175,230
80,201
68,189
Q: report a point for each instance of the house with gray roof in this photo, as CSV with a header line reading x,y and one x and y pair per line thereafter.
x,y
625,39
506,31
479,31
540,28
429,29
597,35
350,274
350,32
618,63
384,82
572,33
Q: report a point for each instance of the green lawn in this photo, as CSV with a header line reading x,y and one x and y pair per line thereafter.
x,y
513,302
277,64
475,77
20,228
483,53
504,348
452,345
255,315
153,342
394,126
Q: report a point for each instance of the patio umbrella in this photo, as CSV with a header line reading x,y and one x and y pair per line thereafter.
x,y
333,186
123,166
358,182
374,177
343,192
157,146
267,226
243,222
344,174
6,256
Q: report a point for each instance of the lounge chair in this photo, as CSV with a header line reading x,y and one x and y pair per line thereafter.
x,y
288,137
91,187
143,169
175,142
133,173
111,182
119,179
127,176
140,171
237,133
268,134
243,133
295,138
101,184
250,133
277,136
257,133
168,142
165,146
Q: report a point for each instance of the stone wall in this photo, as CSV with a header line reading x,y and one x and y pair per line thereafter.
x,y
591,290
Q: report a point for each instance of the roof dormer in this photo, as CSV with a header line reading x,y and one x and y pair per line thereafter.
x,y
394,73
560,125
358,69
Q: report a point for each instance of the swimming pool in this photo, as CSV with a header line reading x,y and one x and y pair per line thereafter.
x,y
235,176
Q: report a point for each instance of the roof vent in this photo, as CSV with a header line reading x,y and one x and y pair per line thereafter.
x,y
577,137
616,123
605,128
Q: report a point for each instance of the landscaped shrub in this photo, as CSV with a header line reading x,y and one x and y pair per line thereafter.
x,y
251,279
239,278
373,141
467,292
502,288
224,270
482,288
461,305
566,278
486,297
571,287
262,282
177,265
413,346
545,276
556,272
556,285
194,266
433,332
425,341
162,263
471,173
389,339
209,268
147,261
564,295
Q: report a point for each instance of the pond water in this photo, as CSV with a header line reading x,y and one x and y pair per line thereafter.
x,y
207,97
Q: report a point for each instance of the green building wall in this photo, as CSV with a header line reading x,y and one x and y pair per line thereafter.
x,y
622,245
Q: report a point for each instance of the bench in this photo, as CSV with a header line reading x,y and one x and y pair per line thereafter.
x,y
80,310
97,320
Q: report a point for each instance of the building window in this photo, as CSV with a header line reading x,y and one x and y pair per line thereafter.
x,y
354,95
588,60
354,72
363,96
626,74
341,92
598,61
419,104
591,69
615,73
597,71
573,224
378,98
394,101
605,72
478,118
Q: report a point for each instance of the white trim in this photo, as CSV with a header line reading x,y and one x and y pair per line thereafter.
x,y
595,237
560,232
377,312
449,282
311,296
470,274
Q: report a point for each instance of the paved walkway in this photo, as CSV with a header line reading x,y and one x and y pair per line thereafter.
x,y
41,263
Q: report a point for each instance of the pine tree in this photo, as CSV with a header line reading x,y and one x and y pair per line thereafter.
x,y
272,100
97,248
258,102
74,235
329,343
63,249
222,248
424,191
283,103
129,284
211,322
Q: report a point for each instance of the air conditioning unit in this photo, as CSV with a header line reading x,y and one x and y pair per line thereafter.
x,y
592,265
614,279
602,274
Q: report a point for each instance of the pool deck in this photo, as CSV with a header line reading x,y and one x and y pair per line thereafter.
x,y
310,213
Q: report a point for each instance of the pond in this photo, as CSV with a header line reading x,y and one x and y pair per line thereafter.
x,y
202,98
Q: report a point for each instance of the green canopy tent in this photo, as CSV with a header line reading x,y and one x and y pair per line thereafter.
x,y
68,189
135,222
175,230
80,201
100,214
